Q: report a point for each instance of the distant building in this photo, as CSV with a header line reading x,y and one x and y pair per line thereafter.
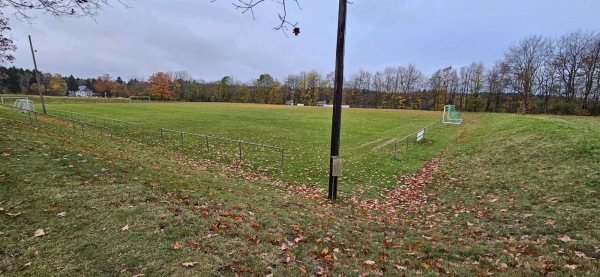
x,y
83,91
289,102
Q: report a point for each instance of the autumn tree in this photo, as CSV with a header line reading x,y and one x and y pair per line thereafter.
x,y
161,86
105,84
58,85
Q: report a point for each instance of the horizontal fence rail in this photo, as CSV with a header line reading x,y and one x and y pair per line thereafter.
x,y
34,119
99,120
182,135
405,140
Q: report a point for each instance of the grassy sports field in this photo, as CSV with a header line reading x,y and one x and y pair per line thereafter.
x,y
509,195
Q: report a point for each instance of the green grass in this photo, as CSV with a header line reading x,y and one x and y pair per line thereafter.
x,y
515,196
367,139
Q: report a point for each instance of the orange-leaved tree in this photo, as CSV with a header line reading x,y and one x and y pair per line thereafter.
x,y
161,86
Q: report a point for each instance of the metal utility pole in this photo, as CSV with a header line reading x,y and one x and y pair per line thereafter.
x,y
337,103
37,76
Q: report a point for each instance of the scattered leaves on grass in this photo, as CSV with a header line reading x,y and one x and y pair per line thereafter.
x,y
39,233
189,264
125,228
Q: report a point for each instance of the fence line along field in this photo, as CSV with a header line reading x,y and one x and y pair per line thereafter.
x,y
367,147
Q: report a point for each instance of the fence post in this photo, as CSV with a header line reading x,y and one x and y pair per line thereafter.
x,y
82,131
395,149
161,135
142,131
181,139
240,147
36,120
74,131
282,160
407,143
30,122
207,145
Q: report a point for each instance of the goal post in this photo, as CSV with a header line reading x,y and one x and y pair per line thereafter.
x,y
450,115
139,99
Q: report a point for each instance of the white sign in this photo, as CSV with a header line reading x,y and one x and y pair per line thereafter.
x,y
420,135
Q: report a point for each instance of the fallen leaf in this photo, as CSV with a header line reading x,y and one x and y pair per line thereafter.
x,y
176,245
369,262
26,265
527,215
211,235
139,275
401,267
70,165
189,264
1,209
39,233
61,214
11,214
550,222
125,228
325,251
565,239
1,233
571,266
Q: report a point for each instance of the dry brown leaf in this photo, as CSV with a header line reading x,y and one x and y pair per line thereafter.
x,y
565,239
325,251
369,262
176,245
26,265
401,267
125,228
39,233
189,264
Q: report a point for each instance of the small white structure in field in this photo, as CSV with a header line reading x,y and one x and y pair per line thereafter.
x,y
300,105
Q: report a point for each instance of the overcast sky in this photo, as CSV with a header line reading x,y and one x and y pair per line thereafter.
x,y
210,40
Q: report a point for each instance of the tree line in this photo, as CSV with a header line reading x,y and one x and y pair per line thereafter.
x,y
536,75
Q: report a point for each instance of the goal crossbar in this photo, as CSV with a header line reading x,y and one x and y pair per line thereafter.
x,y
133,99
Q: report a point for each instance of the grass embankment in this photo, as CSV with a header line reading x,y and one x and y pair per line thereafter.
x,y
514,196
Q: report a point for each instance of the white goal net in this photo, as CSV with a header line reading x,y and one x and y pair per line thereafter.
x,y
139,99
24,105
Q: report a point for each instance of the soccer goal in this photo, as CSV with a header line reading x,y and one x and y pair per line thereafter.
x,y
24,105
10,100
450,115
139,99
